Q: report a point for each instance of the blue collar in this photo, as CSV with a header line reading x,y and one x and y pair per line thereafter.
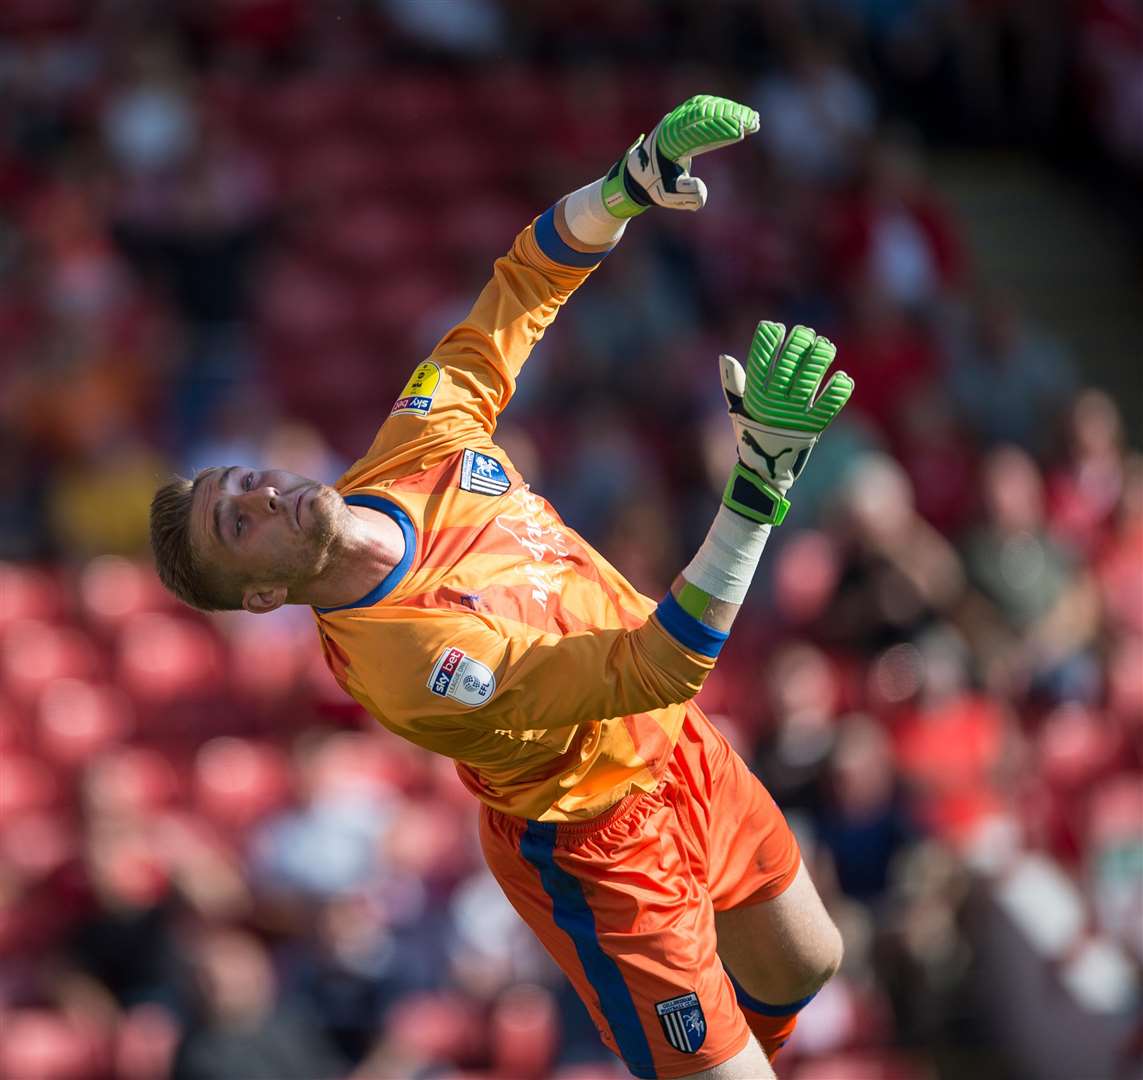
x,y
387,584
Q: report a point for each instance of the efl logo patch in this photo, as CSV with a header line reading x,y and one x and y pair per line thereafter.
x,y
483,474
683,1022
460,677
417,397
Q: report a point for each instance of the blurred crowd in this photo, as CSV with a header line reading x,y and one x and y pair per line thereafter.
x,y
230,229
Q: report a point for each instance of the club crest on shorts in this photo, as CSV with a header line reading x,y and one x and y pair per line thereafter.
x,y
483,474
683,1022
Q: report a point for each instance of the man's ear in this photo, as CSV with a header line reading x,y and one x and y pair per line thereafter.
x,y
264,599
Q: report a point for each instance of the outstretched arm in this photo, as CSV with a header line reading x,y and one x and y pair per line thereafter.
x,y
455,397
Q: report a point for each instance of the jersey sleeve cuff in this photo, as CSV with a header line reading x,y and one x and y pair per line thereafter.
x,y
690,632
555,246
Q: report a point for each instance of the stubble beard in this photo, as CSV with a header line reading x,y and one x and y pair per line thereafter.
x,y
320,540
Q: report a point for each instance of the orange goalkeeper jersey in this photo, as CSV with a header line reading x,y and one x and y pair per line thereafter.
x,y
502,639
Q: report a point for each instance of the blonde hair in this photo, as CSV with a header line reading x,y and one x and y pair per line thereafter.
x,y
178,566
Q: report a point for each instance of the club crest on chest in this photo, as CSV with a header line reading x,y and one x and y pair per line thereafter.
x,y
482,474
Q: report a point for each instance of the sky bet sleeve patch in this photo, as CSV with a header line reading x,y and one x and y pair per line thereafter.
x,y
462,678
417,397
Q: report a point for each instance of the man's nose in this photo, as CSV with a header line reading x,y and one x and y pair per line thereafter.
x,y
266,499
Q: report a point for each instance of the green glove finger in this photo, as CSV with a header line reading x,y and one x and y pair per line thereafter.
x,y
703,123
831,399
767,337
812,370
777,388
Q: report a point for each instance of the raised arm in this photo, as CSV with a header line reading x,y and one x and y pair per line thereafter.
x,y
455,396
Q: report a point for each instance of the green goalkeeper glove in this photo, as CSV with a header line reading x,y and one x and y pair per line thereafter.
x,y
655,170
778,415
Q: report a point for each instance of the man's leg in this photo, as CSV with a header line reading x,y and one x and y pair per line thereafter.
x,y
621,909
779,953
749,1064
774,937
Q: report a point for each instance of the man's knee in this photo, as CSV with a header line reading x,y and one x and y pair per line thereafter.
x,y
816,962
832,954
791,968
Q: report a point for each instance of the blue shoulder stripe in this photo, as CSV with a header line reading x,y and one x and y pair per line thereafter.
x,y
691,632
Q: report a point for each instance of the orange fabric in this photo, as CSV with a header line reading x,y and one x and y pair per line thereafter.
x,y
773,1032
654,871
586,702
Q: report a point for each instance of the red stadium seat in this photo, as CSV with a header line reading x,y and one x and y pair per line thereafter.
x,y
302,108
437,1027
36,843
407,105
163,657
266,661
337,166
36,1044
28,592
351,761
238,781
300,302
112,588
1076,745
76,719
867,1065
27,784
145,1043
369,235
131,781
34,653
524,1031
1115,810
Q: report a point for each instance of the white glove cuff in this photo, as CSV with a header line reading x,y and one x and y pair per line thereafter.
x,y
588,220
724,566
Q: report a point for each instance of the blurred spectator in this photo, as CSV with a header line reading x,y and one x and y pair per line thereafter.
x,y
241,1031
863,823
892,234
817,111
1084,490
898,572
1010,380
1040,610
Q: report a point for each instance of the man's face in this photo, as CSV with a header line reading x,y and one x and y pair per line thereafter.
x,y
264,527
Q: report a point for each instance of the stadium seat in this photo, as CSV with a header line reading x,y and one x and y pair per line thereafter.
x,y
163,657
28,592
524,1032
36,843
145,1043
238,781
301,108
435,1028
27,784
76,719
265,662
38,1044
34,653
112,588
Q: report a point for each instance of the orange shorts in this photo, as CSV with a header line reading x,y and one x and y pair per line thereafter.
x,y
625,903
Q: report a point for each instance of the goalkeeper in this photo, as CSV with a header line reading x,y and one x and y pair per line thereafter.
x,y
456,606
